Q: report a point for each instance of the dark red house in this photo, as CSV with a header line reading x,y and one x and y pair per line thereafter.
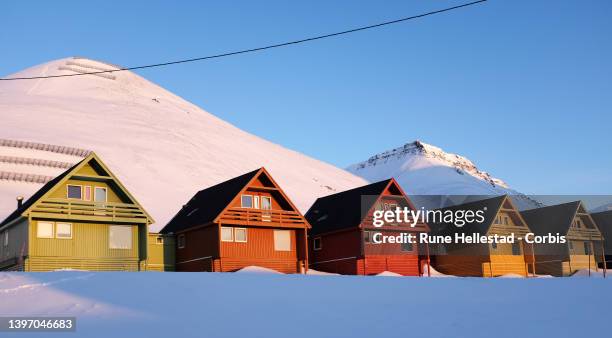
x,y
341,239
245,221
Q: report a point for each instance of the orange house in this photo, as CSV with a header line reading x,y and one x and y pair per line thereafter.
x,y
245,221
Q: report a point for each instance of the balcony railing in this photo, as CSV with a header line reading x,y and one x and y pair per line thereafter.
x,y
246,216
82,210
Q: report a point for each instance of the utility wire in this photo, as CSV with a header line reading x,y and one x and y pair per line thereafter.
x,y
295,42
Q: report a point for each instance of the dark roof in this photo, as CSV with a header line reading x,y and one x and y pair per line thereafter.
x,y
207,204
603,220
37,195
552,219
344,209
490,206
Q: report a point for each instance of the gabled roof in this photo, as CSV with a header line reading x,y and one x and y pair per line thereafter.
x,y
551,219
603,220
207,205
345,209
489,206
50,187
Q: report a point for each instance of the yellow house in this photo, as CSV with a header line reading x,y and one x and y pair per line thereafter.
x,y
83,219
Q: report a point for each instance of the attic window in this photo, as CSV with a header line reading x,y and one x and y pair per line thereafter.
x,y
74,191
246,201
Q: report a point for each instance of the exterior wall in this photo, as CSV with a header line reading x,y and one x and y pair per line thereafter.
x,y
339,252
200,251
88,249
259,250
17,247
406,265
460,265
161,256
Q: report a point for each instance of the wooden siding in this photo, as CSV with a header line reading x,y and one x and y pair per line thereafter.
x,y
17,245
406,265
339,251
161,256
201,249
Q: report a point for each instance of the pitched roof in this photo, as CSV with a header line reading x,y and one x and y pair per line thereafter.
x,y
551,219
341,210
207,204
490,206
604,223
37,195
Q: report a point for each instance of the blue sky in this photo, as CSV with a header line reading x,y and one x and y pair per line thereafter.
x,y
523,88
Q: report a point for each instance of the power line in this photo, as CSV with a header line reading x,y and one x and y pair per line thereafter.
x,y
253,49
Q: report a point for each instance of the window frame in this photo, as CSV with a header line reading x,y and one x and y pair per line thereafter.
x,y
68,191
269,198
231,231
242,201
275,242
110,227
314,243
402,248
63,223
516,245
6,237
105,194
236,236
159,240
38,229
87,191
181,241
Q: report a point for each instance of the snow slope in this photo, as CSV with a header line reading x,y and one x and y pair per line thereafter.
x,y
162,147
423,169
124,304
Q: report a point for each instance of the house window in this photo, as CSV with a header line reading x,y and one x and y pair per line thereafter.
x,y
494,245
6,238
181,241
120,237
74,191
516,249
63,230
160,240
587,248
282,240
317,244
407,247
44,230
246,201
506,220
367,237
87,193
240,235
266,203
255,202
100,194
227,234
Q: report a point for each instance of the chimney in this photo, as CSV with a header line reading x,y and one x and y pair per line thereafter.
x,y
19,201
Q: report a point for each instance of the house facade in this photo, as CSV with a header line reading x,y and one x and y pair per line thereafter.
x,y
245,221
344,239
604,224
584,246
83,219
501,218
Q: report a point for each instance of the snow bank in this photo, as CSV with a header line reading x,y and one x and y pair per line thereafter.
x,y
511,275
434,273
320,273
389,274
585,273
257,269
219,305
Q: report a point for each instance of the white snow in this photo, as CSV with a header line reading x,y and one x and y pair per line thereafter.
x,y
422,169
258,270
152,305
320,273
389,274
163,148
434,273
587,273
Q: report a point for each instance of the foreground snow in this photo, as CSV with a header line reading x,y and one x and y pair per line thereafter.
x,y
274,305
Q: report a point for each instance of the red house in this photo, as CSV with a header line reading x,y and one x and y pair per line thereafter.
x,y
245,221
342,235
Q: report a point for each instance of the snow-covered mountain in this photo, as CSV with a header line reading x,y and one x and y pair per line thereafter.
x,y
162,147
423,169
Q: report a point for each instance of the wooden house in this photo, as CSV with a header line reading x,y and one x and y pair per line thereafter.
x,y
83,219
584,245
342,238
500,217
161,252
603,220
245,221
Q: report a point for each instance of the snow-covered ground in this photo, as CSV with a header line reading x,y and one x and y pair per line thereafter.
x,y
271,305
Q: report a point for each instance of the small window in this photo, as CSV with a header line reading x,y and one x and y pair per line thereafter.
x,y
240,235
282,240
181,241
120,237
246,201
494,245
159,240
63,230
506,220
87,193
587,248
6,238
407,247
100,194
74,191
367,237
317,244
266,203
44,230
255,202
227,234
516,249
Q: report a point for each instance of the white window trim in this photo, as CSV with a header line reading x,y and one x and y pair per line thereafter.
x,y
268,198
241,202
38,230
314,241
283,231
245,235
109,239
105,194
74,185
90,193
231,232
256,204
180,240
71,228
